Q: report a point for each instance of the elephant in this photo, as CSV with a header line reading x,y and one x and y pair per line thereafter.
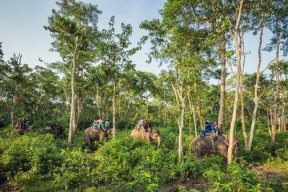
x,y
210,144
141,134
95,135
21,131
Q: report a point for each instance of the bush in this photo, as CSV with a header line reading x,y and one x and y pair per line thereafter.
x,y
38,162
234,178
28,158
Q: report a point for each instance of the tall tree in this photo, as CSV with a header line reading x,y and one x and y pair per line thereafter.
x,y
185,50
278,25
235,30
74,27
114,53
260,19
14,86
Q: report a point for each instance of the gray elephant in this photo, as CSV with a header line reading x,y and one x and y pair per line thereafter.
x,y
209,144
141,134
95,135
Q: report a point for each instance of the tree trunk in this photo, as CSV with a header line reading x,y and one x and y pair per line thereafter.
x,y
283,116
12,112
221,117
192,112
271,120
114,110
241,91
98,103
180,101
72,124
198,107
276,96
256,98
181,125
79,110
235,105
12,119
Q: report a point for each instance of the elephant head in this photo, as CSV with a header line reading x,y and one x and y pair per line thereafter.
x,y
208,145
155,135
141,134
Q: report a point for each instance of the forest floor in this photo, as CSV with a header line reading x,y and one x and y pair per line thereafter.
x,y
174,187
273,174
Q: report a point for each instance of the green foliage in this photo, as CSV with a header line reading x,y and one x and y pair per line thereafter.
x,y
264,151
256,156
38,162
28,158
234,178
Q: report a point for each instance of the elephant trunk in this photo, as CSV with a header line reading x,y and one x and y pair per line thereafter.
x,y
158,141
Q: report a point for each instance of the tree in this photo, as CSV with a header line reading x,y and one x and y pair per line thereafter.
x,y
278,26
14,86
235,33
114,52
45,96
186,50
74,28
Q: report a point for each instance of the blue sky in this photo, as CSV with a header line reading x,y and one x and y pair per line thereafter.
x,y
22,29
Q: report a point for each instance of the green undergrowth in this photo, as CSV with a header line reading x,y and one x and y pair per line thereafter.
x,y
39,162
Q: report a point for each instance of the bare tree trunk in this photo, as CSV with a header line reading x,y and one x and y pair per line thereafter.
x,y
79,110
283,114
241,91
72,124
235,105
284,122
181,125
276,96
284,111
98,104
12,112
221,117
256,98
271,119
12,119
114,110
180,100
192,112
279,124
198,107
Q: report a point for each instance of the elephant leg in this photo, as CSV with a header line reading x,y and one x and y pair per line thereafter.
x,y
197,153
88,142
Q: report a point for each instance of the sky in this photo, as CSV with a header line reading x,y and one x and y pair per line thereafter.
x,y
22,31
22,21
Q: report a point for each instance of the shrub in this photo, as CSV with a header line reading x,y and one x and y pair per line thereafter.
x,y
234,178
27,158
